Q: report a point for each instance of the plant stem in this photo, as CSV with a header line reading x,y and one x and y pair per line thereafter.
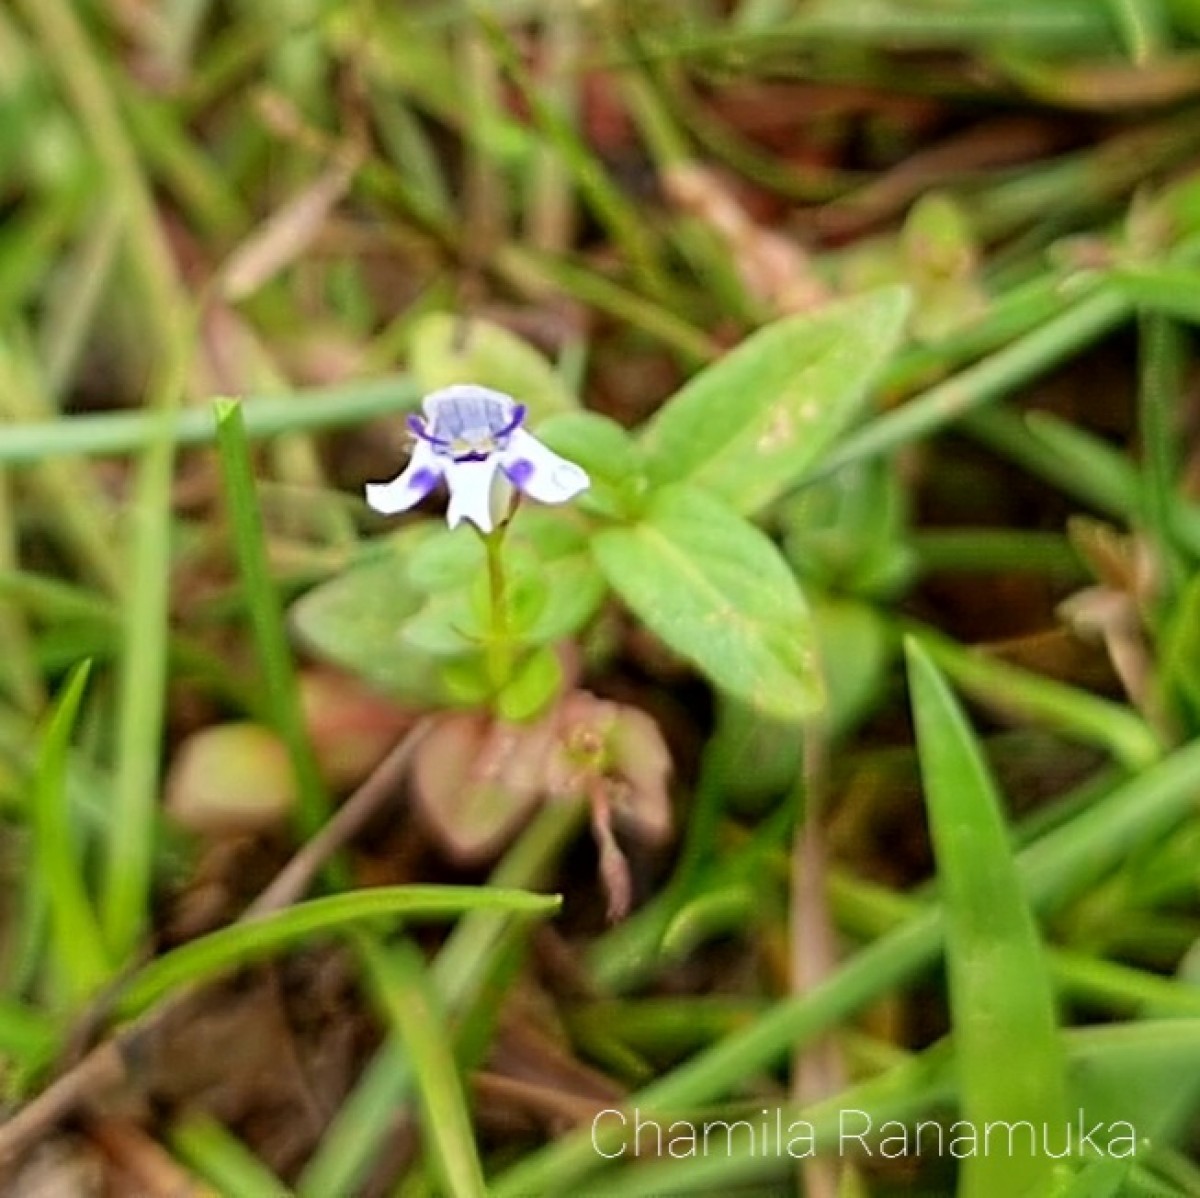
x,y
499,644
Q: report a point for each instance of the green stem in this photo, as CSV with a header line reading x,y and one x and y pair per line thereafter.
x,y
499,643
266,615
266,416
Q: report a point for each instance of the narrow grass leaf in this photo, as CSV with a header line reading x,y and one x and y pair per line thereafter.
x,y
464,974
1000,992
265,415
26,1035
1144,26
22,678
1077,464
1165,288
913,1092
992,377
526,268
75,503
275,658
1160,386
221,1159
76,942
1102,1178
241,944
1066,709
1142,1074
141,701
1141,810
404,992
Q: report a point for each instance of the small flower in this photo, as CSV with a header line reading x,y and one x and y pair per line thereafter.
x,y
469,436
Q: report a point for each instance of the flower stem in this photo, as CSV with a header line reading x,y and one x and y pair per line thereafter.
x,y
499,643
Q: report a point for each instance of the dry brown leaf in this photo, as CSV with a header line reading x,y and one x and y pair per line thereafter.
x,y
289,232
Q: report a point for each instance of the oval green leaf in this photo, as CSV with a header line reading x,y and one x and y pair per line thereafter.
x,y
716,590
752,425
356,620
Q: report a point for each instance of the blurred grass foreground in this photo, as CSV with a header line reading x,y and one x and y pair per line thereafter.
x,y
811,806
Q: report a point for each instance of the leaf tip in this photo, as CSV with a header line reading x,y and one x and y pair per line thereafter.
x,y
225,408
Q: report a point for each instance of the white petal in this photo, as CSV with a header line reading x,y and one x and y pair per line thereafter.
x,y
410,486
470,486
539,472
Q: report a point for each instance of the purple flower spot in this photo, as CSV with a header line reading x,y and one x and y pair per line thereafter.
x,y
423,481
519,473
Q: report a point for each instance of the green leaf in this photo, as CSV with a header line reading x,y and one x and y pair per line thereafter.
x,y
276,665
467,681
1020,694
444,559
1143,1073
356,621
446,350
554,587
752,425
221,1159
535,682
448,625
1179,658
855,653
209,956
848,532
404,991
758,759
1000,992
575,589
608,453
26,1034
76,940
1102,1177
716,590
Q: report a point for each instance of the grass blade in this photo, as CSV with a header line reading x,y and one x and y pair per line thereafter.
x,y
463,974
1076,713
1060,864
266,416
1000,992
26,1036
1159,392
266,614
125,900
202,959
221,1158
990,378
75,940
404,991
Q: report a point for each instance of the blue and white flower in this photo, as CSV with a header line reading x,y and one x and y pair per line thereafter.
x,y
472,437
